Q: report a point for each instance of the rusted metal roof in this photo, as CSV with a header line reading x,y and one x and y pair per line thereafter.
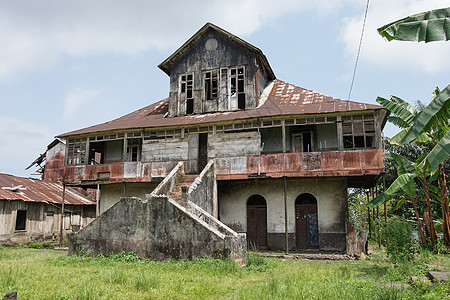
x,y
30,190
284,99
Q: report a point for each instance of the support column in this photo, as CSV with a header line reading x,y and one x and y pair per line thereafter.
x,y
62,216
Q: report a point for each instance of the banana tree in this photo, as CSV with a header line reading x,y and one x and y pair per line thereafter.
x,y
425,27
410,174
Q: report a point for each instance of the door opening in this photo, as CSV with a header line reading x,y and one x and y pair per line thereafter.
x,y
306,222
202,151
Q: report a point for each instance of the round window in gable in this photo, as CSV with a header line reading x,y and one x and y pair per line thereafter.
x,y
211,44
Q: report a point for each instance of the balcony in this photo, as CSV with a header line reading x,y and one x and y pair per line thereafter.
x,y
354,163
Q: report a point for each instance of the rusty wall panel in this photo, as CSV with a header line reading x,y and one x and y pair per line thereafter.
x,y
332,160
351,159
372,158
238,165
293,162
311,161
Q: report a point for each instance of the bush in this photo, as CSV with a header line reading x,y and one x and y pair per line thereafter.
x,y
400,246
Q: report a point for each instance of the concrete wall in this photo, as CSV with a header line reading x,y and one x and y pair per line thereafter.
x,y
331,195
111,193
157,228
42,221
205,194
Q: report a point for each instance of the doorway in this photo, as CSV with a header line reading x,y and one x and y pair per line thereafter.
x,y
306,222
202,151
257,222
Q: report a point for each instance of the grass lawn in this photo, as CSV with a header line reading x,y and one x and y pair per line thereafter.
x,y
47,274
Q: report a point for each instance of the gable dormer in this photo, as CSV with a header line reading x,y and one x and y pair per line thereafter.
x,y
215,71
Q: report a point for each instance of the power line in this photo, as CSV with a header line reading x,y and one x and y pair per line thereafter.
x,y
357,55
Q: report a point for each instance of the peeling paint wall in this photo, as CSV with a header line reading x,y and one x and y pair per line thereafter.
x,y
234,144
331,195
165,149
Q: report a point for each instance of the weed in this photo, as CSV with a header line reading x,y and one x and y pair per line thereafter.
x,y
256,262
41,245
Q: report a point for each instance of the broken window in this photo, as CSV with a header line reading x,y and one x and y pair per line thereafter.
x,y
237,90
210,80
105,152
76,151
358,131
186,92
21,220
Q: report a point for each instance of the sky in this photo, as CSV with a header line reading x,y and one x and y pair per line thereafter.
x,y
66,65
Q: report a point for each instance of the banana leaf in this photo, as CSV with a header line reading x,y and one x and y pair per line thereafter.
x,y
400,108
438,108
403,182
396,139
425,27
440,152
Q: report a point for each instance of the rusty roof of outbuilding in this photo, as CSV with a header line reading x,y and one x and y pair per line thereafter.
x,y
31,190
283,99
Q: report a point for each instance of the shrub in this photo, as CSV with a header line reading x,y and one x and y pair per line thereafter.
x,y
400,246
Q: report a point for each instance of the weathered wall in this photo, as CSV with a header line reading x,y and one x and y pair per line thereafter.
x,y
234,144
198,58
111,193
159,229
54,163
331,195
42,220
165,149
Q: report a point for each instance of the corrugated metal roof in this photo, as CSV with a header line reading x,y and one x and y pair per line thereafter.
x,y
283,99
30,190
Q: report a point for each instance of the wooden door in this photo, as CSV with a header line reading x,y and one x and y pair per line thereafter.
x,y
306,227
192,164
257,226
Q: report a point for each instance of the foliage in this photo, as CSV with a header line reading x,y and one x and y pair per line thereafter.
x,y
428,26
400,244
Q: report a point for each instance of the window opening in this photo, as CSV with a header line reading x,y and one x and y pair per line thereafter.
x,y
211,84
76,151
186,92
105,152
21,220
237,86
358,131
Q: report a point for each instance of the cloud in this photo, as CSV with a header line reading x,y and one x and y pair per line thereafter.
x,y
76,100
35,34
20,143
420,57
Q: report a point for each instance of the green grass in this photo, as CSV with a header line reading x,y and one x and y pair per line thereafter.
x,y
46,274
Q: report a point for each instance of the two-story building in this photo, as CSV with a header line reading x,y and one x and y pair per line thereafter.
x,y
283,155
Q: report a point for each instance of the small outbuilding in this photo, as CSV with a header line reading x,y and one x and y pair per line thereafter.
x,y
31,210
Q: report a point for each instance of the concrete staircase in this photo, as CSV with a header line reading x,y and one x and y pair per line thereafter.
x,y
184,181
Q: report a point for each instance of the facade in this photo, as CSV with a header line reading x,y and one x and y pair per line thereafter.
x,y
283,156
31,210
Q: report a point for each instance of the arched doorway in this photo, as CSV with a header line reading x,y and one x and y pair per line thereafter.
x,y
257,222
306,222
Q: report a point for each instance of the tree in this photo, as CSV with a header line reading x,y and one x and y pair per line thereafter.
x,y
429,26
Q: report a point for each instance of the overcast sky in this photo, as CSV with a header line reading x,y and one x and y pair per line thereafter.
x,y
65,65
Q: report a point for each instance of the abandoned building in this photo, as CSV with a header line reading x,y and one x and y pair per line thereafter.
x,y
232,146
31,210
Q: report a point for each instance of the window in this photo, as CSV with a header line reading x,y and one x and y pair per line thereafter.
x,y
211,84
358,131
186,92
21,220
105,152
76,151
237,86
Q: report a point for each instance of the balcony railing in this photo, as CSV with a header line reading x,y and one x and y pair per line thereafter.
x,y
310,164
